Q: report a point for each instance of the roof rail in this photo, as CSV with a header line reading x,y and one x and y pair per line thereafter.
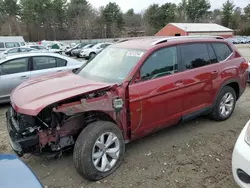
x,y
162,40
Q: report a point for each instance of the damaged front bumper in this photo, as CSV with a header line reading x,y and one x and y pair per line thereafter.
x,y
19,143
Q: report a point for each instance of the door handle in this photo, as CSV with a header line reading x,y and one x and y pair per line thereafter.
x,y
59,71
178,83
24,77
214,72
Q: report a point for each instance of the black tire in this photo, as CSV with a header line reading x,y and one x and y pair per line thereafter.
x,y
216,114
78,56
82,154
92,55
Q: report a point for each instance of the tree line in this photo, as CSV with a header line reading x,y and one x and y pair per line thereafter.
x,y
78,19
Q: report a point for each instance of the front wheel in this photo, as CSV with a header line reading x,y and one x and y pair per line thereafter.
x,y
224,105
99,150
92,55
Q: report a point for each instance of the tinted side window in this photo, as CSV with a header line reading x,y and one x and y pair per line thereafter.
x,y
61,62
194,55
36,47
1,45
15,50
222,51
24,49
41,47
212,56
43,62
12,44
15,66
161,63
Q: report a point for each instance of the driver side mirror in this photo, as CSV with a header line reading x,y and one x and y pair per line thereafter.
x,y
5,53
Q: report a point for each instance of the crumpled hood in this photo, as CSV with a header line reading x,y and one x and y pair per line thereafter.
x,y
35,94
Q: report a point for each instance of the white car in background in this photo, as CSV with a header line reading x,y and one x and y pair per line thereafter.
x,y
17,50
18,68
241,158
91,52
39,47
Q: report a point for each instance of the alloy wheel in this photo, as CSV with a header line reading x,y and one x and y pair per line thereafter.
x,y
226,104
106,152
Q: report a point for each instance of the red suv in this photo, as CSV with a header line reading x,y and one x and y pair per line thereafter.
x,y
129,90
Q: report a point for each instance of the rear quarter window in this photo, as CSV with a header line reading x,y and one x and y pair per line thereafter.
x,y
61,62
222,51
1,45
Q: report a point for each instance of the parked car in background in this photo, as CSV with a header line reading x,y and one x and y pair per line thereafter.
x,y
76,52
49,48
91,52
39,47
129,90
78,46
241,158
18,68
7,42
15,173
17,50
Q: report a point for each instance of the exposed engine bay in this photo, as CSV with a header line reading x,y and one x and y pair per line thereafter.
x,y
55,128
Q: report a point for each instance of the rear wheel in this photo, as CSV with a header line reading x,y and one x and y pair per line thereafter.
x,y
99,150
225,104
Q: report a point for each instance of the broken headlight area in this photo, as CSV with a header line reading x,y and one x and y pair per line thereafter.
x,y
49,132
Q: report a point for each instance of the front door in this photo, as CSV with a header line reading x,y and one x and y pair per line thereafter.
x,y
12,73
156,100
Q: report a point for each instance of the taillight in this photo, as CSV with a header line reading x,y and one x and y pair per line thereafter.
x,y
244,66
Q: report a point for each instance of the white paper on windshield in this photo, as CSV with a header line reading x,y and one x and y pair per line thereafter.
x,y
135,54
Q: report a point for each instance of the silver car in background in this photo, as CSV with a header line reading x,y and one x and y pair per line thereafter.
x,y
17,50
17,68
7,42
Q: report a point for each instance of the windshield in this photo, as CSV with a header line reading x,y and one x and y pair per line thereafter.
x,y
112,65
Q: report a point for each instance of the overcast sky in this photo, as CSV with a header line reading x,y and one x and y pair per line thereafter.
x,y
140,5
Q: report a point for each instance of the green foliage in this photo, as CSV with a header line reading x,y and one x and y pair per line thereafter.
x,y
130,12
236,17
247,12
196,9
76,19
159,16
113,18
227,13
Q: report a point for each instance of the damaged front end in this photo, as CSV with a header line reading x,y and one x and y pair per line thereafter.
x,y
55,128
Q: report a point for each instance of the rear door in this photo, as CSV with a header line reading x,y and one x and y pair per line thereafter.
x,y
47,64
13,73
156,100
199,76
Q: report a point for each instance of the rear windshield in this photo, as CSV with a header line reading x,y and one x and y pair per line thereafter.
x,y
112,65
12,44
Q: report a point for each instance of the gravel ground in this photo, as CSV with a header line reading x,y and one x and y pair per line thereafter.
x,y
193,154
